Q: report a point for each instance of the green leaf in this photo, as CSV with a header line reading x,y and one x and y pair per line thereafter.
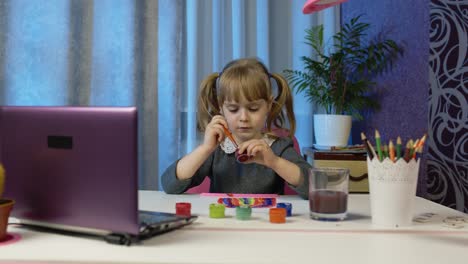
x,y
341,81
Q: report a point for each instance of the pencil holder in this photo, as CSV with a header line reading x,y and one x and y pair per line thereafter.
x,y
392,188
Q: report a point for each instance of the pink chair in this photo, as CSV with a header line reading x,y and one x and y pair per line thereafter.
x,y
205,185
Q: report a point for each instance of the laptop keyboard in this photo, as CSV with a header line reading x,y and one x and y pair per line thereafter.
x,y
151,218
154,223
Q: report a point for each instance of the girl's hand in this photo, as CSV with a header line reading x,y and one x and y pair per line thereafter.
x,y
214,132
259,152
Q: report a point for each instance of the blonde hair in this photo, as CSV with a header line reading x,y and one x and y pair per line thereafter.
x,y
247,78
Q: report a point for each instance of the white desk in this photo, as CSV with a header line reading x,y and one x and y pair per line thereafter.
x,y
300,240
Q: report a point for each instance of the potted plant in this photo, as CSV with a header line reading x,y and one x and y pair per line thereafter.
x,y
341,80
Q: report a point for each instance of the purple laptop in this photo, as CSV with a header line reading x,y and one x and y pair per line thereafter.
x,y
77,167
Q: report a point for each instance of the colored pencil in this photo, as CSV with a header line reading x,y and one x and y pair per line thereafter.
x,y
378,144
385,151
419,146
422,141
391,151
369,148
413,149
398,148
408,150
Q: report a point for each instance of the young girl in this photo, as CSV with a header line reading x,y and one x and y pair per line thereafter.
x,y
240,102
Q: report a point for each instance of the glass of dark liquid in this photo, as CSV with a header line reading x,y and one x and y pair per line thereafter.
x,y
328,193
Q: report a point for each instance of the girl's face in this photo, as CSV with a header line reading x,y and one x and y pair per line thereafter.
x,y
246,119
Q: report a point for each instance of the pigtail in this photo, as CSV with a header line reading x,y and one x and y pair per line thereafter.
x,y
283,101
207,101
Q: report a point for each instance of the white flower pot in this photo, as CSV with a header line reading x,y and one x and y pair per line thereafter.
x,y
331,130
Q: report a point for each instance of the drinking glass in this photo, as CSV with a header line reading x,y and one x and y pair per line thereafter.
x,y
328,193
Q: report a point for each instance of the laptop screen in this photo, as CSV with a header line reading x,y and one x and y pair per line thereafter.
x,y
72,166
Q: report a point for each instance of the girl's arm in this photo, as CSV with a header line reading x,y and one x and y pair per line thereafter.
x,y
214,134
287,163
188,165
294,170
289,171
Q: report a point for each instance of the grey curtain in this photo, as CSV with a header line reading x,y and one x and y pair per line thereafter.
x,y
101,53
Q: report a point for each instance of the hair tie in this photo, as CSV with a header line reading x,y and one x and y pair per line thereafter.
x,y
216,86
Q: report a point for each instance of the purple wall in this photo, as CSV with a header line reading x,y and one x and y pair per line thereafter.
x,y
403,91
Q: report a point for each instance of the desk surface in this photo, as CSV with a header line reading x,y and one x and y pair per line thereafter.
x,y
229,240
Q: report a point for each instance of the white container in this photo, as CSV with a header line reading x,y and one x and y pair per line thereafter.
x,y
392,188
331,130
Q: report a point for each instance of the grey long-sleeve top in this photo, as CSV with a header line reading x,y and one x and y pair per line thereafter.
x,y
229,176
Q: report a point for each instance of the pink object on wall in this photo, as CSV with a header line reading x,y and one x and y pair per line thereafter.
x,y
204,187
316,5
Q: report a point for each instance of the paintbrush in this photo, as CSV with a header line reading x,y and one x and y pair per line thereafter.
x,y
240,157
229,135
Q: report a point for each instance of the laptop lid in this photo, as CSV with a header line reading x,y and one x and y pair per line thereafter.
x,y
72,166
